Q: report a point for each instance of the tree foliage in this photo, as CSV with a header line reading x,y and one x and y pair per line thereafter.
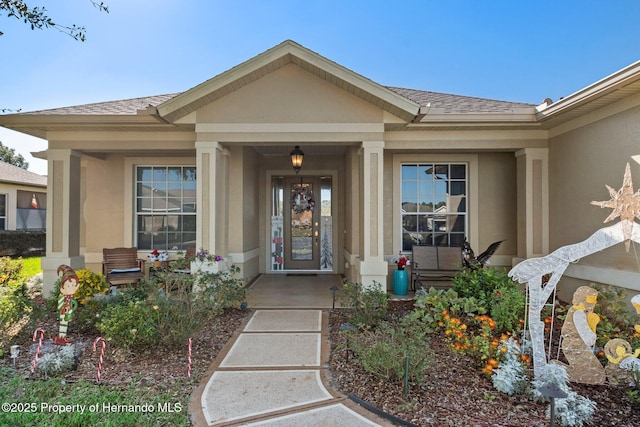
x,y
37,17
8,155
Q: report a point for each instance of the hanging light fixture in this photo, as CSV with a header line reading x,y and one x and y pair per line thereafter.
x,y
296,158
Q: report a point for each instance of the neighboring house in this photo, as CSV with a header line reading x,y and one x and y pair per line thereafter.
x,y
383,167
23,199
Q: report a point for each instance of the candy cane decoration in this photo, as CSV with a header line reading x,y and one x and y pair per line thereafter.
x,y
104,345
35,359
189,361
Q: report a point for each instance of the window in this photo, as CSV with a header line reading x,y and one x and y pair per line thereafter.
x,y
165,207
434,204
3,211
31,210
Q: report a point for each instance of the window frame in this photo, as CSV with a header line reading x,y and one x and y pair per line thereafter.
x,y
135,197
428,196
471,220
6,209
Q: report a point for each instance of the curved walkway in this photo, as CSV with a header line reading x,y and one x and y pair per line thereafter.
x,y
274,373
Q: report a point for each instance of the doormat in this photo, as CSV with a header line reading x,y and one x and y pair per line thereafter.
x,y
301,274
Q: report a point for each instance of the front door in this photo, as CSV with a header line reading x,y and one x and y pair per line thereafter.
x,y
301,223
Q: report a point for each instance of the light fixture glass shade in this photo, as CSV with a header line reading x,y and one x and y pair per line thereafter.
x,y
296,158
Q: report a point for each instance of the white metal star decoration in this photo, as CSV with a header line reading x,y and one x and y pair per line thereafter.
x,y
625,204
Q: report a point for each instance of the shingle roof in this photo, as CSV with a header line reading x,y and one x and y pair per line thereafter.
x,y
16,175
458,104
123,106
449,103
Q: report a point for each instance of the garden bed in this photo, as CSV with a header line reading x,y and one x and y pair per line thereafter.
x,y
456,392
144,373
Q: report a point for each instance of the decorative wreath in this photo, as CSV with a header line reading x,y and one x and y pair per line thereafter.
x,y
302,199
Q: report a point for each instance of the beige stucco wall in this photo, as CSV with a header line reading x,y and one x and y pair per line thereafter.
x,y
497,192
289,95
102,207
581,162
244,210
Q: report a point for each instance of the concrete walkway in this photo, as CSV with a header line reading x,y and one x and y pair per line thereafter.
x,y
273,373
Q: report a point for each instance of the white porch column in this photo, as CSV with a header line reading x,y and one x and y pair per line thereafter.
x,y
63,215
212,197
533,202
373,267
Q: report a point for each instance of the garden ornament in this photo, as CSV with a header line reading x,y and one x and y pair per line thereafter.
x,y
635,301
579,337
469,259
67,304
626,206
622,361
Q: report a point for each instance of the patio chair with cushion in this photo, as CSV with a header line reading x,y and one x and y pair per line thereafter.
x,y
121,266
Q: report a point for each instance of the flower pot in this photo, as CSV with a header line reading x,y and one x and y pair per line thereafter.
x,y
400,282
157,264
205,266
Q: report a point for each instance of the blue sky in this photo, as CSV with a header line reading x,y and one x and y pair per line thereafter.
x,y
509,50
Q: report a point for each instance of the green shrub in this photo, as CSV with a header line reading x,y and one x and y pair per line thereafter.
x,y
224,289
90,284
496,291
21,242
130,325
432,305
164,312
9,270
14,300
508,309
369,306
384,351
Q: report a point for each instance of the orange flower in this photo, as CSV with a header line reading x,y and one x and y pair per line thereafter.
x,y
493,362
488,369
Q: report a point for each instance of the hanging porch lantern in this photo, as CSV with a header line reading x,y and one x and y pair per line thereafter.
x,y
296,158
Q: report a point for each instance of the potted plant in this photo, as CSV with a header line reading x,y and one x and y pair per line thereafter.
x,y
204,262
400,276
158,257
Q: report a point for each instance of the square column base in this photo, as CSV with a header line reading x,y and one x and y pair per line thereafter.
x,y
373,275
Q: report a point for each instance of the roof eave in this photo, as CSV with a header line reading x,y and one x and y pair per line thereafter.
x,y
39,125
607,86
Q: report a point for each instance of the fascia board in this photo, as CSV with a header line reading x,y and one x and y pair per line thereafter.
x,y
608,84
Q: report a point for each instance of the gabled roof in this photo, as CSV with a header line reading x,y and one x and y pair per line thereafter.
x,y
421,110
285,53
16,175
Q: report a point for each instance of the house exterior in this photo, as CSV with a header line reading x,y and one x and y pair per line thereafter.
x,y
383,168
23,199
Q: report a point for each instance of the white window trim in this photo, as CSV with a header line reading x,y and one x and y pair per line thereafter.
x,y
129,190
472,189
